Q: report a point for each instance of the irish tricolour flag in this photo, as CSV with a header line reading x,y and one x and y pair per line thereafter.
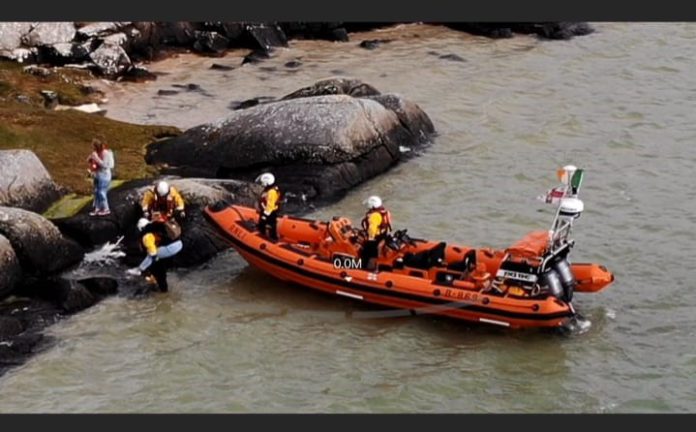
x,y
571,177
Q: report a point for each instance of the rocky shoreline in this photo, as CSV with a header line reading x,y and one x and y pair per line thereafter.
x,y
321,141
117,49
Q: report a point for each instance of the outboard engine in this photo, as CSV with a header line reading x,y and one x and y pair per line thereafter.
x,y
561,267
552,283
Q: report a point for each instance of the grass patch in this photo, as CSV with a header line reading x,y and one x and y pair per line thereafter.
x,y
72,203
67,83
61,139
67,206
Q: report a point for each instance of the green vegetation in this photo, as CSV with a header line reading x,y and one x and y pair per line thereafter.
x,y
72,203
61,139
67,83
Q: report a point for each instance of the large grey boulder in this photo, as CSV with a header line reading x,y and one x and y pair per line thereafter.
x,y
49,33
10,270
11,34
111,59
267,36
100,29
317,146
335,86
39,245
64,53
25,182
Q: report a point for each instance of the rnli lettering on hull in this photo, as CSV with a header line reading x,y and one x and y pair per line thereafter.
x,y
517,275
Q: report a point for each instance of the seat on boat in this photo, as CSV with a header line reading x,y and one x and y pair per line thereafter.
x,y
426,259
465,265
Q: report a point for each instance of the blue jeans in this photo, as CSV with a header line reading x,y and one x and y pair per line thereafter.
x,y
101,186
162,253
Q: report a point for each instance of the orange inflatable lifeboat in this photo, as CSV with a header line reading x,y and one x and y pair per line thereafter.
x,y
530,284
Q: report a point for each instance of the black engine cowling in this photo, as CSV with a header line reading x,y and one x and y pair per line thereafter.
x,y
559,280
562,267
552,281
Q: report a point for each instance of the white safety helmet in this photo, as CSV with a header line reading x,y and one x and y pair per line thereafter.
x,y
266,179
142,223
162,188
373,202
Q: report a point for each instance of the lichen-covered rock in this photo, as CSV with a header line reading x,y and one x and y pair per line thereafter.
x,y
100,29
49,33
335,86
11,34
317,146
39,245
110,60
25,182
10,270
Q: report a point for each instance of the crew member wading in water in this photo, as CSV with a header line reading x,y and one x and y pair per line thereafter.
x,y
160,244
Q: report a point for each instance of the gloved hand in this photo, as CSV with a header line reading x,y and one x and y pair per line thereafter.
x,y
133,272
266,212
146,214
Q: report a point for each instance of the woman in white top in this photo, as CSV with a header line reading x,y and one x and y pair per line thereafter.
x,y
101,162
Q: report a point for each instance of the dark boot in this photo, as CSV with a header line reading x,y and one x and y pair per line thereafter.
x,y
159,272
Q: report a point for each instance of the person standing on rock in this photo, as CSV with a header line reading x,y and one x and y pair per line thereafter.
x,y
101,162
163,201
268,206
160,246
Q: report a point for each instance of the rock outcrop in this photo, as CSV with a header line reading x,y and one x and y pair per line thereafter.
x,y
10,270
319,141
40,247
200,241
39,303
25,182
113,48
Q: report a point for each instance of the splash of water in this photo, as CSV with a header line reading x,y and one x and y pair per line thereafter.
x,y
579,325
106,255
